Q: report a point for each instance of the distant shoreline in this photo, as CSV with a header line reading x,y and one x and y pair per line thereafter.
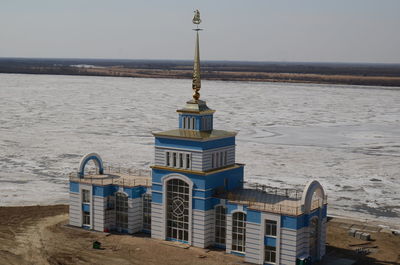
x,y
315,73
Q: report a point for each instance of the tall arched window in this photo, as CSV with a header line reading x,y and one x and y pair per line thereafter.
x,y
220,225
121,210
177,210
239,231
147,211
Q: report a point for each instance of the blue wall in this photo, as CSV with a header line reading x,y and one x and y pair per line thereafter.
x,y
74,187
105,191
194,145
270,241
198,119
234,176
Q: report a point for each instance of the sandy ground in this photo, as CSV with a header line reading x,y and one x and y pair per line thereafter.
x,y
39,235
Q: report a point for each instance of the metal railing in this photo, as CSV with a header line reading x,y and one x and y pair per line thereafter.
x,y
287,207
115,176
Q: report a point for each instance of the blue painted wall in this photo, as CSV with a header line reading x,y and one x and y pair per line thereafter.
x,y
270,241
86,207
234,176
198,119
74,187
194,145
254,216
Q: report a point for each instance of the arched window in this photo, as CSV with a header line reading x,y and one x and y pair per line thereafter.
x,y
147,211
239,231
121,210
220,225
177,210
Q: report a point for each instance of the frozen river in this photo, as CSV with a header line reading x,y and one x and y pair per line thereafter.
x,y
347,137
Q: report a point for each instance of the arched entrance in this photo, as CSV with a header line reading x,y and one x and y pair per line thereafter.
x,y
97,160
177,210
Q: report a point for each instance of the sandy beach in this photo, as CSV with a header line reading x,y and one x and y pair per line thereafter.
x,y
40,235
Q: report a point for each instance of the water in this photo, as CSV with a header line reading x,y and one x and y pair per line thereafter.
x,y
346,137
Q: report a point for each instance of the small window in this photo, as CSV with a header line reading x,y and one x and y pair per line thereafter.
x,y
187,161
174,159
217,160
270,254
86,218
212,161
85,196
222,159
270,228
226,158
184,122
180,160
167,156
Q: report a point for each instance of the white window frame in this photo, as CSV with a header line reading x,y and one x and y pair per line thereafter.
x,y
85,218
239,232
85,196
270,225
220,224
270,254
121,210
146,206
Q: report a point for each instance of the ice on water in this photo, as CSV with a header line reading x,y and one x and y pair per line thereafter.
x,y
347,137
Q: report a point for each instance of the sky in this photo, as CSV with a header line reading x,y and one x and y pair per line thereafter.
x,y
247,30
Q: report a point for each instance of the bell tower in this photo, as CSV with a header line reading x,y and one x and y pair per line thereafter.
x,y
192,163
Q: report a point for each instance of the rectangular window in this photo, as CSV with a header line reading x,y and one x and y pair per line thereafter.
x,y
86,218
270,254
222,159
147,211
167,157
85,196
180,160
187,161
270,228
226,158
212,161
174,159
217,159
184,122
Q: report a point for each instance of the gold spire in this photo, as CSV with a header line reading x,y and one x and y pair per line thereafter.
x,y
196,82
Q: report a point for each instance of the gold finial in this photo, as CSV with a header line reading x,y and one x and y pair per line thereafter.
x,y
196,82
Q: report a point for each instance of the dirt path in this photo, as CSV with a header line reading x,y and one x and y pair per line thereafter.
x,y
39,235
33,241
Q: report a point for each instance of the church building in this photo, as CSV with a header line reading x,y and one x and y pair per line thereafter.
x,y
197,195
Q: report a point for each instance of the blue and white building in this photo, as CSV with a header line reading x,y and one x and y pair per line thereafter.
x,y
197,195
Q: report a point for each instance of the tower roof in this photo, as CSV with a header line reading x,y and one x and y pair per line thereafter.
x,y
196,107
